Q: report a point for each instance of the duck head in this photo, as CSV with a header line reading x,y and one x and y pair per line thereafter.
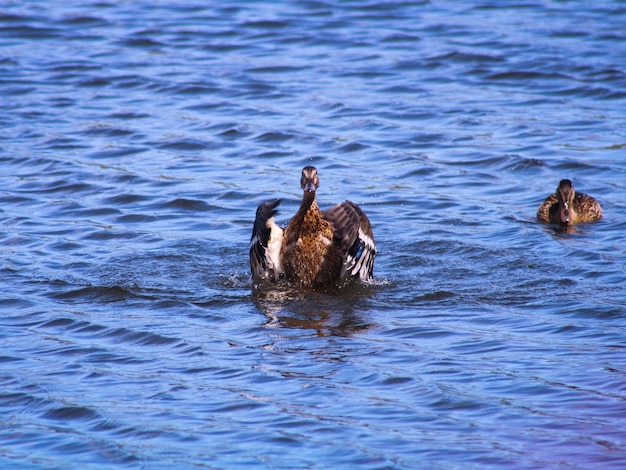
x,y
565,195
309,180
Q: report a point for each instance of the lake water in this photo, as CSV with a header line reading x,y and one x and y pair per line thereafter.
x,y
137,139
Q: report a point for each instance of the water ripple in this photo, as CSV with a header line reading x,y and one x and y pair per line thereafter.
x,y
136,143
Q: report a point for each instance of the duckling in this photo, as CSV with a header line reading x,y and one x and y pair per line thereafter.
x,y
568,207
316,249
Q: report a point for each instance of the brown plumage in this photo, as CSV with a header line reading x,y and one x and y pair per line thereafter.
x,y
316,249
568,207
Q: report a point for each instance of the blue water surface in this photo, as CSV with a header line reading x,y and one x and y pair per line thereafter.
x,y
137,139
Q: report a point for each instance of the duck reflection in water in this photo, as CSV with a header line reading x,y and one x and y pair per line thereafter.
x,y
325,314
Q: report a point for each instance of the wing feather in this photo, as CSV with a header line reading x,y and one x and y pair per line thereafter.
x,y
265,243
354,238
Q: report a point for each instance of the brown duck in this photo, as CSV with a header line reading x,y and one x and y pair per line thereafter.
x,y
316,249
568,207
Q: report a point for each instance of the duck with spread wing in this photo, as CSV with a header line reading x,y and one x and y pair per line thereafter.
x,y
317,249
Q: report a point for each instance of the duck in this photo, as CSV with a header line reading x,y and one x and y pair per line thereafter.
x,y
317,249
567,206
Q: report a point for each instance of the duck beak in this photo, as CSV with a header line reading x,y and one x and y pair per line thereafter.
x,y
309,187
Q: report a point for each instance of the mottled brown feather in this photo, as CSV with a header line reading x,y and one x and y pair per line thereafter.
x,y
309,256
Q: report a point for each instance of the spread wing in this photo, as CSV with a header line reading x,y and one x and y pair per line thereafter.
x,y
265,243
354,238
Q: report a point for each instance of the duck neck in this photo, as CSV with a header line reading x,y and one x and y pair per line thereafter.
x,y
308,207
308,200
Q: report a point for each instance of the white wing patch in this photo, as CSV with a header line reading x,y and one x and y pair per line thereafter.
x,y
360,258
274,244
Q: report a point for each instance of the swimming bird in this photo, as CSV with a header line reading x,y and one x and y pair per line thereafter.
x,y
568,207
317,249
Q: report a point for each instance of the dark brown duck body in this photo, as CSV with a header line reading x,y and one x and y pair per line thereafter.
x,y
317,249
568,207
